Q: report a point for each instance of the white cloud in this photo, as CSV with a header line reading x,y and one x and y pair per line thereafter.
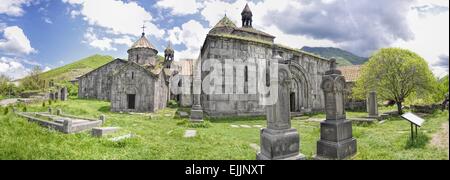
x,y
214,10
46,69
104,44
431,31
191,34
48,20
125,40
13,7
116,16
12,68
177,7
15,42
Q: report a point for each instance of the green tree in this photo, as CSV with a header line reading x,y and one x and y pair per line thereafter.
x,y
395,74
33,81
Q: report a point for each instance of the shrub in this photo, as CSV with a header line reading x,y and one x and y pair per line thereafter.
x,y
187,123
173,104
6,111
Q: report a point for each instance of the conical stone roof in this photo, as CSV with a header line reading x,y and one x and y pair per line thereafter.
x,y
142,43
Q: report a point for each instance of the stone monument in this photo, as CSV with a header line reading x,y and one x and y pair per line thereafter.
x,y
279,141
63,94
102,118
372,106
336,139
197,110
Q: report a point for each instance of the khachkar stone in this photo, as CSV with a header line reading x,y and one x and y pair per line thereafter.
x,y
336,139
197,111
279,141
372,106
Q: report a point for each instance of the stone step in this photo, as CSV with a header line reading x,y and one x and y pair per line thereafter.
x,y
101,131
61,120
190,133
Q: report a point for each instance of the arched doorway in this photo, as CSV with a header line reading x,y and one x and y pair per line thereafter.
x,y
292,99
300,89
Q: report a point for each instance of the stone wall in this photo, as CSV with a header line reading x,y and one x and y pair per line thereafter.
x,y
308,71
133,79
142,56
161,93
97,83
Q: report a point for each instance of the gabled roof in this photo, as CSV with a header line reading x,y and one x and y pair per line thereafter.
x,y
254,31
225,22
144,69
186,67
351,73
121,60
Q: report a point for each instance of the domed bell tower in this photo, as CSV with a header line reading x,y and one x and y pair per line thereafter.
x,y
143,52
169,55
247,17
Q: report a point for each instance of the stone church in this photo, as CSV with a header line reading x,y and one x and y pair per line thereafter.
x,y
140,84
228,41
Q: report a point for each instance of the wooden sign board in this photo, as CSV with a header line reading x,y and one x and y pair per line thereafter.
x,y
413,119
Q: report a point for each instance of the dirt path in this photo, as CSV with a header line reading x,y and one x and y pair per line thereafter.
x,y
440,139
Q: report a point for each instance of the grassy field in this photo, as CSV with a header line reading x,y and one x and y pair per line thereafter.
x,y
71,71
161,137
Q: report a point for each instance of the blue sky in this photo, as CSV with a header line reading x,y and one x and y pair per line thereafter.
x,y
51,33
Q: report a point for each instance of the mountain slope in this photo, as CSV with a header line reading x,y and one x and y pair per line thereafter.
x,y
343,57
77,68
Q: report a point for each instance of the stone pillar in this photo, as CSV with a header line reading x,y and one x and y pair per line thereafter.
x,y
372,106
67,126
102,118
51,96
336,139
58,112
63,94
279,141
197,110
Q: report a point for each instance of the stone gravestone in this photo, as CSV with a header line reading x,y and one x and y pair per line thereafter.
x,y
102,118
279,141
51,96
372,106
336,139
63,94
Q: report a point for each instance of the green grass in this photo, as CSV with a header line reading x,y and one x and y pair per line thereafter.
x,y
161,137
80,67
77,68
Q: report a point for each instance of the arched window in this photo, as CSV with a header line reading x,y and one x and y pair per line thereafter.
x,y
132,75
246,74
137,58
